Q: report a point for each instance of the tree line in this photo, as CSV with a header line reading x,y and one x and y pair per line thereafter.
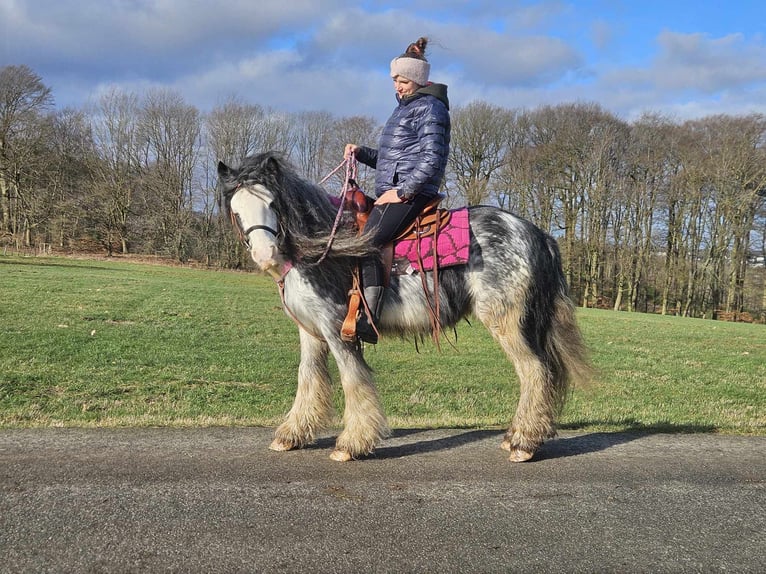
x,y
651,215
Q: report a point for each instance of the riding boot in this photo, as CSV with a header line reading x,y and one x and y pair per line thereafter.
x,y
373,295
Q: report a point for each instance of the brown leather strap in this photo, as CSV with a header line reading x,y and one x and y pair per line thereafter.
x,y
437,313
428,222
426,225
348,328
433,303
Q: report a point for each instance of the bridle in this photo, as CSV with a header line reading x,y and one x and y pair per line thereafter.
x,y
244,234
279,274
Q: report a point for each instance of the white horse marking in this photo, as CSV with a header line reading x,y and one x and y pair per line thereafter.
x,y
259,222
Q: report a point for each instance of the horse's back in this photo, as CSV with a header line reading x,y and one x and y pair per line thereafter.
x,y
508,248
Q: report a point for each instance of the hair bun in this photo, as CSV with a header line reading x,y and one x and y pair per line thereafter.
x,y
417,49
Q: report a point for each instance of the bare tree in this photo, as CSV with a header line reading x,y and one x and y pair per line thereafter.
x,y
603,171
741,176
24,101
68,178
648,175
313,151
571,163
233,131
760,228
117,171
700,233
171,131
514,185
236,129
525,175
728,168
479,143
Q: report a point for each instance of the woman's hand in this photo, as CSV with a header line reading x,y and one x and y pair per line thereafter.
x,y
390,196
351,149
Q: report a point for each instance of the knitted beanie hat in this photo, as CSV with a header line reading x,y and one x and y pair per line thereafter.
x,y
413,64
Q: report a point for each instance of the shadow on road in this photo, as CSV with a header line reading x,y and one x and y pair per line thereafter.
x,y
584,444
418,446
433,445
557,448
408,442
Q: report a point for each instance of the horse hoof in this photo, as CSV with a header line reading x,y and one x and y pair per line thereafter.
x,y
340,455
279,446
518,455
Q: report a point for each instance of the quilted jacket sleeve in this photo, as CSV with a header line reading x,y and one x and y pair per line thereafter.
x,y
432,123
368,156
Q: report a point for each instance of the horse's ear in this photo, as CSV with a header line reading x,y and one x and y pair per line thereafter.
x,y
224,171
271,166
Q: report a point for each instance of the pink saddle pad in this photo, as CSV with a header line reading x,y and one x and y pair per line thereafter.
x,y
452,245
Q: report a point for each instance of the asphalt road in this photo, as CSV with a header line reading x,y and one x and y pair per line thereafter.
x,y
216,500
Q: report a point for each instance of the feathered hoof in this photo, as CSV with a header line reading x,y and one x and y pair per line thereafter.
x,y
340,455
517,454
280,446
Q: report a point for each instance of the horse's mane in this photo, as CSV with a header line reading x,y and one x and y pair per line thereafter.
x,y
305,212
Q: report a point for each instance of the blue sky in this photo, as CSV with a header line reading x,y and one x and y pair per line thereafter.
x,y
681,59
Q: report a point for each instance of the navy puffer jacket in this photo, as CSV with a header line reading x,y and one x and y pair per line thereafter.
x,y
413,148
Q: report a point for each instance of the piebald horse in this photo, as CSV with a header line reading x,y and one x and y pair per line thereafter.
x,y
512,282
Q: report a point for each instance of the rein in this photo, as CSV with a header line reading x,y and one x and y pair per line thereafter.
x,y
279,275
350,165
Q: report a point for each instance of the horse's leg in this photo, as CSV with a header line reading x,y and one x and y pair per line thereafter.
x,y
312,408
535,416
364,423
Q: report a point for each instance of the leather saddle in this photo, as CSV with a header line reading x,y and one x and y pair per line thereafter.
x,y
429,222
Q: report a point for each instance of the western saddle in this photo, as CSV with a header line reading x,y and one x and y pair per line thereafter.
x,y
428,223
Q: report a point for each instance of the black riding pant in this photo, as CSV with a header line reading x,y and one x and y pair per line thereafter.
x,y
385,223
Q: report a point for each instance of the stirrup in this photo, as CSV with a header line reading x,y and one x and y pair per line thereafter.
x,y
348,328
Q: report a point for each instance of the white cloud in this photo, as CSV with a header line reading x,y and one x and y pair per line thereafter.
x,y
708,64
691,75
332,55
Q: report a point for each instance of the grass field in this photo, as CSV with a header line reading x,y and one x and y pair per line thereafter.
x,y
116,343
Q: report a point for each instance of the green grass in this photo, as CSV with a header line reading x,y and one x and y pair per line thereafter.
x,y
116,343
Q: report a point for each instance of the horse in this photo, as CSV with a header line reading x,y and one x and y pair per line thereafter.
x,y
512,282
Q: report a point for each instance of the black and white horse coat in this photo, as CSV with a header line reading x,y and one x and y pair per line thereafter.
x,y
513,283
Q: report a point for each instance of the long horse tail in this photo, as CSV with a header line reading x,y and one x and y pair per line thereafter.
x,y
565,344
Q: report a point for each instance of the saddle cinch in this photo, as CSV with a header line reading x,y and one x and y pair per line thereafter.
x,y
431,220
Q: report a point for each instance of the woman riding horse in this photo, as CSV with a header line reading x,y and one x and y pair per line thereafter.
x,y
410,163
